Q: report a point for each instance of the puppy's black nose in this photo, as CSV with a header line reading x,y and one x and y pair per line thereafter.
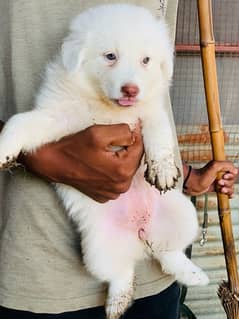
x,y
130,90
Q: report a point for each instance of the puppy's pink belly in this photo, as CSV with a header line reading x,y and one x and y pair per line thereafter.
x,y
133,210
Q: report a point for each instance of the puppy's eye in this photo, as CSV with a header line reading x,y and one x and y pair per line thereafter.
x,y
110,56
146,60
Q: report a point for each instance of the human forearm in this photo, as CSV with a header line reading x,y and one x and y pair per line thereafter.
x,y
86,162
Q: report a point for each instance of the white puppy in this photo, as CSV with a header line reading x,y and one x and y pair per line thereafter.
x,y
115,67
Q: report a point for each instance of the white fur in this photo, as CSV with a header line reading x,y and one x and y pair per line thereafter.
x,y
79,90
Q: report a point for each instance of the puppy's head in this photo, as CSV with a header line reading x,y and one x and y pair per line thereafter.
x,y
123,52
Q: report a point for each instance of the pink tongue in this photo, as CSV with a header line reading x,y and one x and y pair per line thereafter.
x,y
126,101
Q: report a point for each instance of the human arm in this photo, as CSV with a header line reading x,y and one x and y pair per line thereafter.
x,y
204,179
86,162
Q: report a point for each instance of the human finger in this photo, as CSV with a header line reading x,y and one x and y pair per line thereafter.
x,y
118,135
227,179
226,184
135,149
102,197
224,166
229,176
227,190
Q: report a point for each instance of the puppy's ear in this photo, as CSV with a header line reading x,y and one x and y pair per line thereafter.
x,y
167,50
167,65
72,53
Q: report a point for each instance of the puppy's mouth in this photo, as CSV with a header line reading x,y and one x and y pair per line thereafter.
x,y
126,101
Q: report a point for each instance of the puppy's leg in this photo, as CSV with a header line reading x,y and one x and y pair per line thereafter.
x,y
109,264
118,271
25,132
110,253
120,294
177,264
173,227
159,150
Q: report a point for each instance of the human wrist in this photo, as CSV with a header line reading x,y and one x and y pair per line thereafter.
x,y
192,185
187,174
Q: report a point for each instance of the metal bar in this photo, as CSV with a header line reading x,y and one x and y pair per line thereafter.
x,y
196,48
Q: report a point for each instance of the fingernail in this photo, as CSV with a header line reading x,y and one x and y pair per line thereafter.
x,y
224,190
133,138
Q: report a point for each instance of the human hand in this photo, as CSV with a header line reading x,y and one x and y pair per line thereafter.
x,y
86,161
204,179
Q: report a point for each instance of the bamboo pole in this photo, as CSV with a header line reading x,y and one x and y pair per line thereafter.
x,y
228,292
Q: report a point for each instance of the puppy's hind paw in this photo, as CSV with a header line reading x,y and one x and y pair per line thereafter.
x,y
195,277
117,305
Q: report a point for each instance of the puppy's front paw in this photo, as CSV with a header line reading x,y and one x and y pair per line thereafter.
x,y
9,152
9,162
163,173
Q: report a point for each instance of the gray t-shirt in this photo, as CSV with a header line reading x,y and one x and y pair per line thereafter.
x,y
40,264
